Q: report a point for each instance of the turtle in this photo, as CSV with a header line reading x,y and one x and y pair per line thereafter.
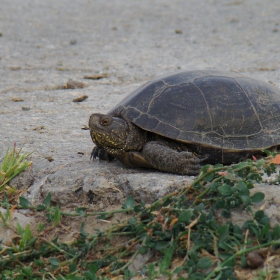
x,y
181,121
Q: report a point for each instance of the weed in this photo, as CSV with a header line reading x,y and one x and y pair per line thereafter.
x,y
182,231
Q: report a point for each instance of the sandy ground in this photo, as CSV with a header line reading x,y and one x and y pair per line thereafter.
x,y
44,44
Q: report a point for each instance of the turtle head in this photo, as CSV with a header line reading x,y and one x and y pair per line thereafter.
x,y
115,135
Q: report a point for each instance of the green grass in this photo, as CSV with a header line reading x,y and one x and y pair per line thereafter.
x,y
13,163
183,231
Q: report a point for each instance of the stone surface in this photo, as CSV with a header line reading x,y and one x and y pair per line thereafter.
x,y
23,219
43,45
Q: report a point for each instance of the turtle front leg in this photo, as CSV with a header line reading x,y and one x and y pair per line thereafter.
x,y
101,154
166,159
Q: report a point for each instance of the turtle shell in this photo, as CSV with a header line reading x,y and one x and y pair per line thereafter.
x,y
215,109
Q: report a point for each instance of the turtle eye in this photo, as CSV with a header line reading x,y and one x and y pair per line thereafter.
x,y
105,121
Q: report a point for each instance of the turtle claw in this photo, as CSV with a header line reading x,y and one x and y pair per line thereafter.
x,y
94,153
101,154
191,163
193,167
203,159
193,170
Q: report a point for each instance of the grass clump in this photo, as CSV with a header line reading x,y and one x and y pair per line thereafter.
x,y
13,163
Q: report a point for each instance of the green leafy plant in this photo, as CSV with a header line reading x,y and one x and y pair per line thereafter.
x,y
183,232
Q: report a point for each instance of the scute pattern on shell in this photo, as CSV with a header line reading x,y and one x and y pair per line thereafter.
x,y
216,109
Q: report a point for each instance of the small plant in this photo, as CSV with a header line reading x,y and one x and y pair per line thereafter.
x,y
12,164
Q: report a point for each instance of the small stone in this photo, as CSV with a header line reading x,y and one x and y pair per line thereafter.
x,y
96,77
85,127
25,108
254,260
74,84
15,68
49,158
17,99
80,99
